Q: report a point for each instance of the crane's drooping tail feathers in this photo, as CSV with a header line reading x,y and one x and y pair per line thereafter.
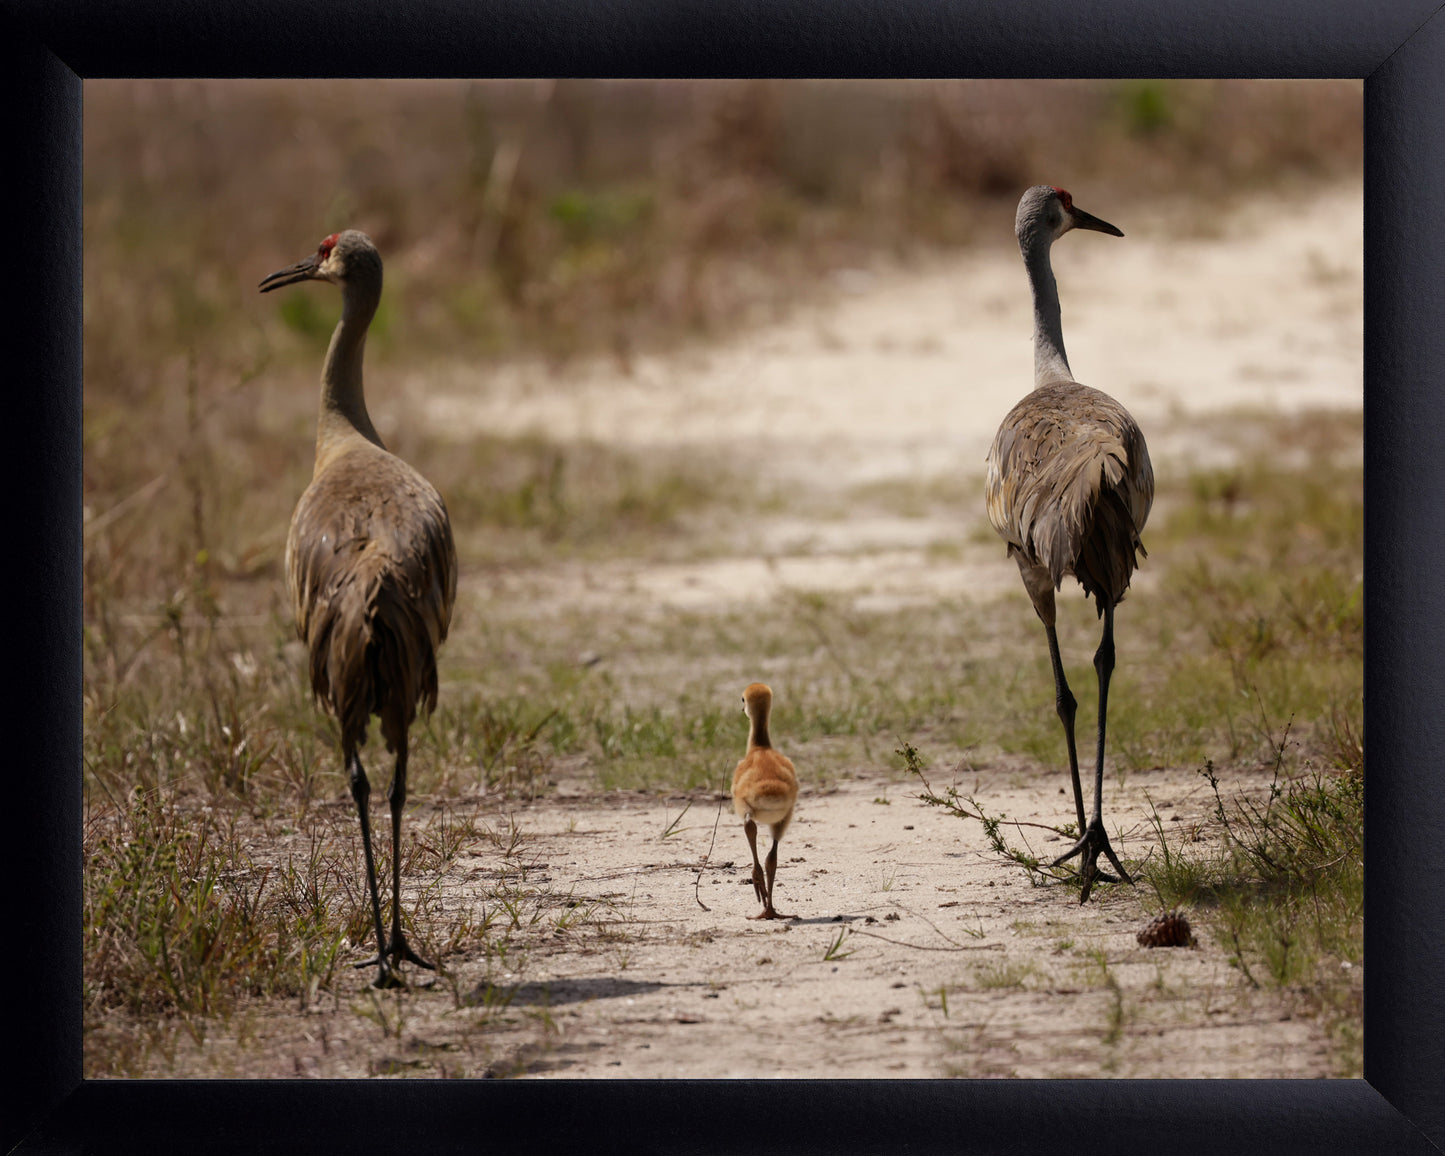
x,y
1070,490
368,637
1087,529
1103,571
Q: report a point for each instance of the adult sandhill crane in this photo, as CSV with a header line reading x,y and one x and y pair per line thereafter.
x,y
1069,488
371,567
765,787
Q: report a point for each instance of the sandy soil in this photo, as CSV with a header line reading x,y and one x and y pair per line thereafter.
x,y
950,962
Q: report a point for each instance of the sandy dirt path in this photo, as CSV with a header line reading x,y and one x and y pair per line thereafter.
x,y
950,962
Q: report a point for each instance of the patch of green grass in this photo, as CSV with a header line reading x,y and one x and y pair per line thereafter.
x,y
500,743
835,948
1281,888
516,497
1247,622
1006,974
587,216
181,922
1145,106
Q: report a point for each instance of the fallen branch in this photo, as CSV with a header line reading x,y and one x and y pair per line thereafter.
x,y
697,883
929,947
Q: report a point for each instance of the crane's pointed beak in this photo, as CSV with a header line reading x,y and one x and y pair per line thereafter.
x,y
301,271
1083,220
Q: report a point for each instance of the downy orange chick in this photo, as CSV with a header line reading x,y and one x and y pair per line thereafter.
x,y
765,787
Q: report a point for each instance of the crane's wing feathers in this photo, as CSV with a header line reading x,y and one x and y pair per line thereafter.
x,y
1069,487
372,571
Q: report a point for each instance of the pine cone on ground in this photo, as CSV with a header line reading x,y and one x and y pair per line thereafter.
x,y
1167,929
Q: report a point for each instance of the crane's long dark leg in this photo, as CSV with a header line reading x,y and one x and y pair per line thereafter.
x,y
1041,592
361,792
1095,839
760,882
1066,706
399,948
772,868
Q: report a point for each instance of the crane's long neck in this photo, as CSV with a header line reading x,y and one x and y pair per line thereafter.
x,y
758,732
1050,362
343,402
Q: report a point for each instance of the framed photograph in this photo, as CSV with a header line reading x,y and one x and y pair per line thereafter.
x,y
656,461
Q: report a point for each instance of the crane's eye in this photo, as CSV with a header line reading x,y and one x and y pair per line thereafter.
x,y
324,249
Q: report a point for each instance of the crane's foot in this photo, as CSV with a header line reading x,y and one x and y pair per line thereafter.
x,y
1095,842
386,976
387,979
769,913
399,949
760,887
385,960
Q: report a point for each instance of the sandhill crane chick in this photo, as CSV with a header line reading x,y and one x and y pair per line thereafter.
x,y
371,568
765,787
1069,488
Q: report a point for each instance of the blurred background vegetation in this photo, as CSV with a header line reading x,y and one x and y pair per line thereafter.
x,y
549,219
572,215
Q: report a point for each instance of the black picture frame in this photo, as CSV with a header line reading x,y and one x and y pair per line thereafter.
x,y
47,47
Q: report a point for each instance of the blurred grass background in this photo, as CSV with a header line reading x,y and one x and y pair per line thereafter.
x,y
572,215
546,219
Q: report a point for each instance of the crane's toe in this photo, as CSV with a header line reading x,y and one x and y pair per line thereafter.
x,y
400,949
385,961
388,980
1095,841
386,976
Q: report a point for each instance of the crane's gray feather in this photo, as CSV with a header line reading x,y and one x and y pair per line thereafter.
x,y
1070,485
372,572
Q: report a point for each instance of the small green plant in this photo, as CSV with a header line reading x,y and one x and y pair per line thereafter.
x,y
967,807
1003,975
672,828
387,1010
834,949
1115,1016
1147,106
